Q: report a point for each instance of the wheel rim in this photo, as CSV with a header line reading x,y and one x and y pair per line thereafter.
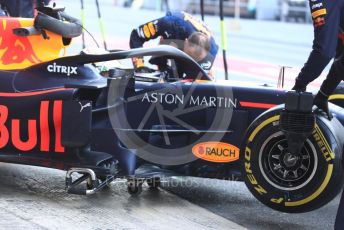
x,y
282,169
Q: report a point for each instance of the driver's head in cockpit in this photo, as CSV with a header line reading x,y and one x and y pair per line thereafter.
x,y
197,46
182,31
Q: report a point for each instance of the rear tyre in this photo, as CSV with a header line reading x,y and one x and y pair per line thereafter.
x,y
290,183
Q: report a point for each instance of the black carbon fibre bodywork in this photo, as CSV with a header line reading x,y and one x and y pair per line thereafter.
x,y
38,128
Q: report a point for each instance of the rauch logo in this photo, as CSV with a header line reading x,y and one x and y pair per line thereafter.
x,y
216,152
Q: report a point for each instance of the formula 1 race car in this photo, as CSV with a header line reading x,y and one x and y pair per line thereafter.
x,y
64,113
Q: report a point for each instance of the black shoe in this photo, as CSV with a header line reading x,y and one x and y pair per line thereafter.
x,y
321,101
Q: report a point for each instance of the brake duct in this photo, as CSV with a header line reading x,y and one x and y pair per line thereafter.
x,y
297,120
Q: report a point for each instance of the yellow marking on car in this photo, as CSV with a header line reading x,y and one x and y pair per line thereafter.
x,y
317,192
336,97
247,154
248,167
262,125
323,144
277,201
250,175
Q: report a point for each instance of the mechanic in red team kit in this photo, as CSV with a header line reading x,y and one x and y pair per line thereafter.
x,y
182,31
328,43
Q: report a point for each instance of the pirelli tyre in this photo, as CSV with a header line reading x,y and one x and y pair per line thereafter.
x,y
287,183
337,97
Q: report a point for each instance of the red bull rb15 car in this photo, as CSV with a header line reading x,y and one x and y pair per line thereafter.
x,y
65,113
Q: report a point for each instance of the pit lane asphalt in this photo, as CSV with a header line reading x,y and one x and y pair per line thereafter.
x,y
233,201
34,198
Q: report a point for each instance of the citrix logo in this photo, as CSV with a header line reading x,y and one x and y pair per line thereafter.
x,y
69,70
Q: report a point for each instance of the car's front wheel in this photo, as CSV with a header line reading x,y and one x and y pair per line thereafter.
x,y
287,182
